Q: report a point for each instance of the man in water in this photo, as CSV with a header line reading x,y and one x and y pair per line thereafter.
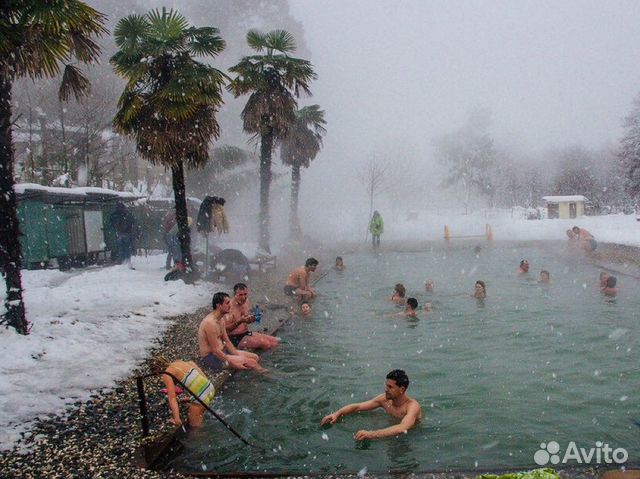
x,y
215,347
585,239
394,401
298,281
524,267
545,277
410,308
239,317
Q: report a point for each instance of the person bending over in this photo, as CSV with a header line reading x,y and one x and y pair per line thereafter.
x,y
298,281
194,379
394,401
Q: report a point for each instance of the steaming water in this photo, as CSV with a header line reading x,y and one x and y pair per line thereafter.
x,y
534,364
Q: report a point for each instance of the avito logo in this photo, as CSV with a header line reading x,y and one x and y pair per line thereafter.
x,y
601,453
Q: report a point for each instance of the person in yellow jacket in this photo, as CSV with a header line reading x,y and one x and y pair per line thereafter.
x,y
376,227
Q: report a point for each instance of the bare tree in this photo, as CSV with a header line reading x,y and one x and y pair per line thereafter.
x,y
376,180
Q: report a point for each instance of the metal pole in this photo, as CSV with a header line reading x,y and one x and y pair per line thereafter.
x,y
143,407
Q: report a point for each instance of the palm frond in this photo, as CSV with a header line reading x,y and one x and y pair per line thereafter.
x,y
168,28
73,81
280,40
130,31
256,40
204,41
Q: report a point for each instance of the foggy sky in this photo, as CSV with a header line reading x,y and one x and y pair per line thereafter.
x,y
552,72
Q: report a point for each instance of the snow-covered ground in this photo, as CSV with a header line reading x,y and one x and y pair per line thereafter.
x,y
92,326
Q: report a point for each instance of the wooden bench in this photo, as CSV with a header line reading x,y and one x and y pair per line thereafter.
x,y
264,263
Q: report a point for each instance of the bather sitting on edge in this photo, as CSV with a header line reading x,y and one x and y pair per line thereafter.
x,y
394,401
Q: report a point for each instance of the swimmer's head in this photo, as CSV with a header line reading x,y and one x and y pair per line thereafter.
x,y
400,290
311,263
339,261
545,277
603,276
428,307
570,234
524,265
305,309
428,285
396,384
611,282
412,303
480,290
575,230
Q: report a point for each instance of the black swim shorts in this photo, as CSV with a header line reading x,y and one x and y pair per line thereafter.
x,y
236,338
290,290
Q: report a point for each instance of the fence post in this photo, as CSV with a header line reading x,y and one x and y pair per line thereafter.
x,y
143,407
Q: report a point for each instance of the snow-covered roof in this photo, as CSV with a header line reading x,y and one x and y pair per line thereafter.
x,y
21,188
563,199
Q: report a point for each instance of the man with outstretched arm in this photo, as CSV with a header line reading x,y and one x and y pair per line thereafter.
x,y
394,401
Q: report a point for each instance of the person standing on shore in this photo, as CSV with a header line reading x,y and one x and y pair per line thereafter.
x,y
376,227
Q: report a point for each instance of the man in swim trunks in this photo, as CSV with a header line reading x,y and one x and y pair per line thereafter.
x,y
585,239
394,401
239,317
215,347
298,281
193,378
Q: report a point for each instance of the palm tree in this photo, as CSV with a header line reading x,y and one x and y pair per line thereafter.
x,y
299,147
274,81
37,38
170,102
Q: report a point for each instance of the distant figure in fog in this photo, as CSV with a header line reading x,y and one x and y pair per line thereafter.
x,y
376,227
610,288
603,279
477,250
427,307
339,266
585,239
524,267
126,229
545,277
428,285
480,290
410,307
399,292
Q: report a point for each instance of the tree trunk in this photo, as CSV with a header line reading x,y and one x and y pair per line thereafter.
x,y
184,235
266,146
10,254
294,221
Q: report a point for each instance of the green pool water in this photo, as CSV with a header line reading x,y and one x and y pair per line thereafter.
x,y
532,364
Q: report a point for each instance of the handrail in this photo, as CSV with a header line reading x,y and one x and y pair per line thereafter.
x,y
143,408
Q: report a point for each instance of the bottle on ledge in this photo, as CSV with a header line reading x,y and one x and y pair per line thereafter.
x,y
258,314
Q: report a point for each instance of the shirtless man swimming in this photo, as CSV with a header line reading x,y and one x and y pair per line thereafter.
x,y
239,317
216,350
394,401
298,281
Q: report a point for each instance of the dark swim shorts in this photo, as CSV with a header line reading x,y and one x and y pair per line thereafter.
x,y
594,244
212,362
236,338
290,290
